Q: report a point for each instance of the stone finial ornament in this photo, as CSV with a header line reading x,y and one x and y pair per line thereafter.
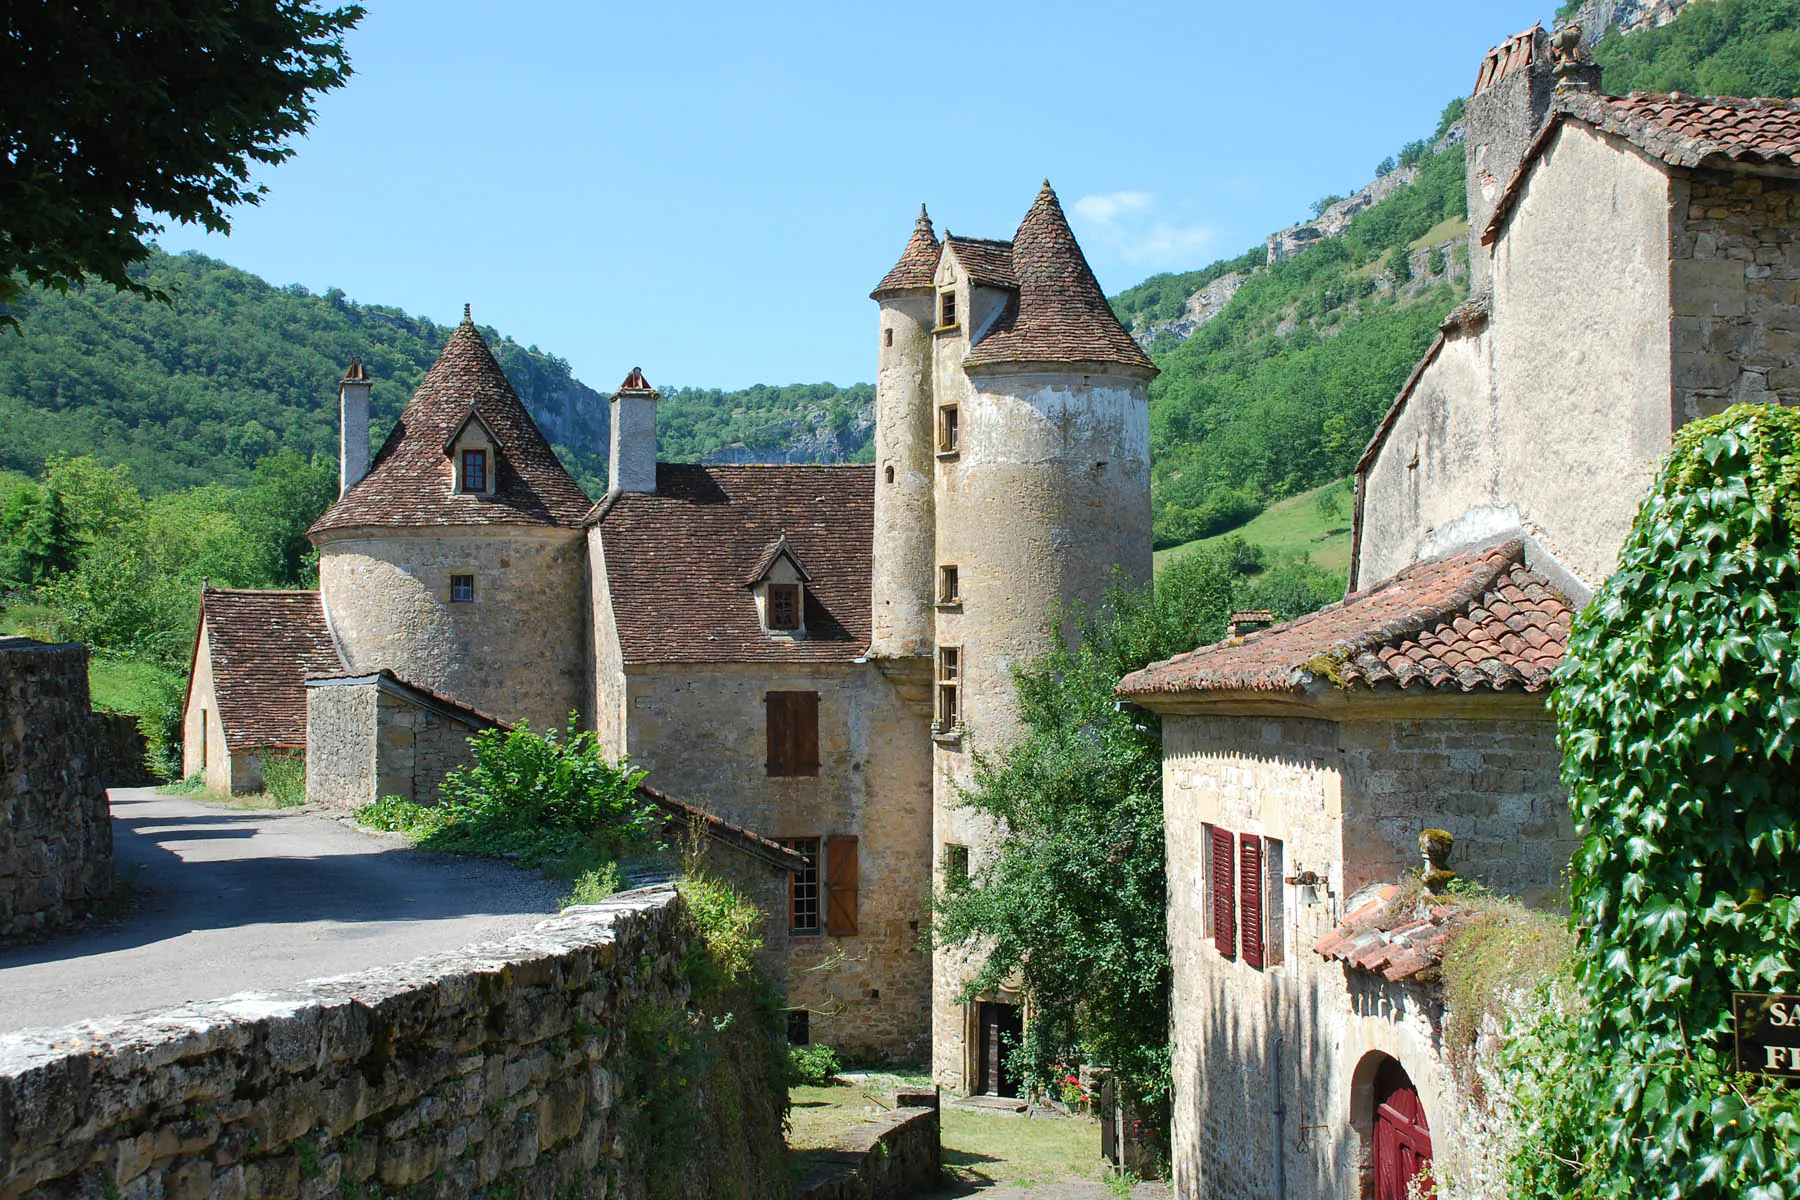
x,y
1435,845
1569,55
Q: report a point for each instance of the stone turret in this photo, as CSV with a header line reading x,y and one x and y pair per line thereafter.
x,y
1036,442
904,463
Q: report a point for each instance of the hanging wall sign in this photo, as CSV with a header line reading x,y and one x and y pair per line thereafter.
x,y
1768,1033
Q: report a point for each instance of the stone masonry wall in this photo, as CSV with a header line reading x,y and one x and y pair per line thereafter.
x,y
893,1156
1735,288
55,827
523,1068
340,745
367,739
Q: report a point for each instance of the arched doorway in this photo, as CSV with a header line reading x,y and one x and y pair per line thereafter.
x,y
1402,1139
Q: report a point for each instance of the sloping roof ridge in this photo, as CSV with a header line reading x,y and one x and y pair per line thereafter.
x,y
721,830
779,548
1465,317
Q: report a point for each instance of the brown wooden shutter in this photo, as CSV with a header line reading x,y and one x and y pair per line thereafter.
x,y
806,734
1224,908
840,884
781,732
1250,896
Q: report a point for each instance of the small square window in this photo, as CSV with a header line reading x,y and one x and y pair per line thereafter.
x,y
948,590
474,470
946,309
784,606
949,429
462,589
799,1027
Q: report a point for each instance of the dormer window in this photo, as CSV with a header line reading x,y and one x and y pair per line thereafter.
x,y
778,582
947,309
472,451
784,607
474,472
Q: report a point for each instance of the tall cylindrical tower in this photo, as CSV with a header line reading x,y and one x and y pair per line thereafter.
x,y
903,558
1042,500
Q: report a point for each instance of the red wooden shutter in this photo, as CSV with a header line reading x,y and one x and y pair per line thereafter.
x,y
1250,897
840,885
1224,910
806,733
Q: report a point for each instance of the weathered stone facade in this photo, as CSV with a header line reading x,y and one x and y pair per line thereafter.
x,y
891,1157
1735,291
120,749
699,731
516,649
519,1068
369,736
1346,794
55,828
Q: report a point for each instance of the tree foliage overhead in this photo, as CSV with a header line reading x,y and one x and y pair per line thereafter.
x,y
1071,897
1678,710
118,113
1715,48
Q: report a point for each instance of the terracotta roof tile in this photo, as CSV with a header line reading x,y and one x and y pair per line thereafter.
x,y
409,482
1392,934
1061,315
676,561
1681,130
988,261
917,267
1434,625
264,646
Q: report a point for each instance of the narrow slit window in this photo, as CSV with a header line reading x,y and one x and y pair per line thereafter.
x,y
956,865
784,606
887,337
949,429
948,592
462,589
803,887
949,687
475,470
946,309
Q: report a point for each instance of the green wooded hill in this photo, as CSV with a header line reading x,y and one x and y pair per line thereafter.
x,y
1280,391
196,392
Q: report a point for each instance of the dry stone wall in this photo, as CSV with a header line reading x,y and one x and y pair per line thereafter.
x,y
55,828
576,1060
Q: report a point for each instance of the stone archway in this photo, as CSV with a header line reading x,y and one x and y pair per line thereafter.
x,y
1393,1134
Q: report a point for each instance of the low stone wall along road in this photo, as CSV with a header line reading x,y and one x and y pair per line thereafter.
x,y
234,900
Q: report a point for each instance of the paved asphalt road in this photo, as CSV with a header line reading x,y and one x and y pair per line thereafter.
x,y
233,900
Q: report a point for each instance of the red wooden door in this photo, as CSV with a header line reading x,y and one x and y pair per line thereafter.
x,y
1402,1138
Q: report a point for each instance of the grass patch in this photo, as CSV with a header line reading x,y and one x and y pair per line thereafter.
x,y
127,685
25,619
1315,523
1490,963
986,1149
1445,230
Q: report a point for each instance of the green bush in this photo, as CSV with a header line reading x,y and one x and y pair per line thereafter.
x,y
812,1066
536,799
1678,708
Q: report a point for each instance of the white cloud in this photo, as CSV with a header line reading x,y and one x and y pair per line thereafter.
x,y
1127,227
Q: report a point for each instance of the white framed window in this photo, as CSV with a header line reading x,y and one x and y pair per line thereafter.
x,y
462,589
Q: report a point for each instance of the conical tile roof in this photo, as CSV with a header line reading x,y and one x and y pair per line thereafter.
x,y
409,483
918,262
1061,314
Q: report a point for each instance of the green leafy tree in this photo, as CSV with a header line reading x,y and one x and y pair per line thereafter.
x,y
1071,900
119,113
1678,709
46,546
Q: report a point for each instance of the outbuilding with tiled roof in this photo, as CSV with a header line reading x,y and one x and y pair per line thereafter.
x,y
246,696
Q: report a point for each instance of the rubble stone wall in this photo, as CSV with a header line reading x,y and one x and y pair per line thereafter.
x,y
55,827
532,1067
895,1155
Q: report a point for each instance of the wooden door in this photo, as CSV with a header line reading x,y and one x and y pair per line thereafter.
x,y
1001,1025
1402,1137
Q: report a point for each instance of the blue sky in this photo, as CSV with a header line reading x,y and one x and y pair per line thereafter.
x,y
709,191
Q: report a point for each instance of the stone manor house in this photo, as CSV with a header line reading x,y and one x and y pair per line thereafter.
x,y
812,652
1637,265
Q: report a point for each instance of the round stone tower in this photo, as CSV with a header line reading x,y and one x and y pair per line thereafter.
x,y
904,465
1041,441
459,562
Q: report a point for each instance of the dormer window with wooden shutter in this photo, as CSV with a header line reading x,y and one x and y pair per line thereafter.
x,y
778,582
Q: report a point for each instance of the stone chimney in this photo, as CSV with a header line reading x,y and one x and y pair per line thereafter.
x,y
1248,620
633,461
1506,110
353,426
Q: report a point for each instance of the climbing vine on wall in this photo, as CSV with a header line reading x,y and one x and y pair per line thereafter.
x,y
1678,711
